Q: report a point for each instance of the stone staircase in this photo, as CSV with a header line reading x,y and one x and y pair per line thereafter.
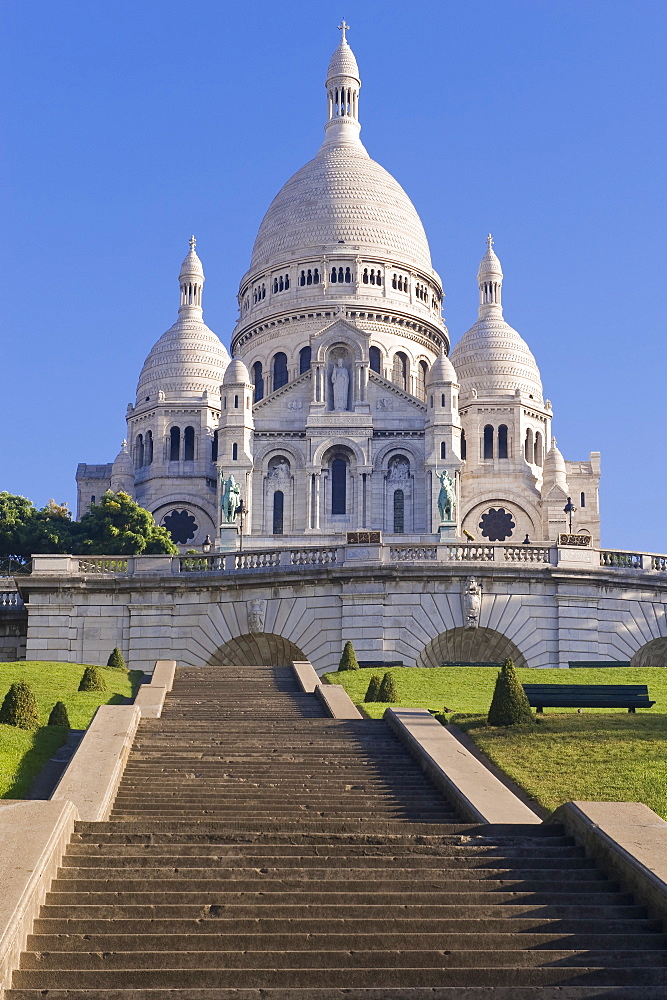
x,y
258,849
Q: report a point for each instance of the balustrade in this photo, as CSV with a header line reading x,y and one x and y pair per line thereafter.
x,y
313,557
526,553
103,564
256,560
413,553
621,560
10,599
470,552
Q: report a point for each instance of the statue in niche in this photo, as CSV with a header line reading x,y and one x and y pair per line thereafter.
x,y
446,497
399,469
256,611
230,500
340,381
472,603
279,470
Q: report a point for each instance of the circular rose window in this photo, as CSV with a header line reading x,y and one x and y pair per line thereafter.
x,y
181,525
497,524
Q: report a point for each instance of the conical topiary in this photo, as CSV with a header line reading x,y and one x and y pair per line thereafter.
x,y
20,707
59,716
116,660
348,660
373,688
92,680
509,705
388,690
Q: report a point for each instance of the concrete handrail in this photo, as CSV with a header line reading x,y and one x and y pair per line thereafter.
x,y
626,837
306,675
477,794
34,836
337,701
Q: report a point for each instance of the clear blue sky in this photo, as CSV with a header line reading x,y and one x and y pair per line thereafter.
x,y
130,124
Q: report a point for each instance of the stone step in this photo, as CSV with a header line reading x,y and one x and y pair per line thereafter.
x,y
361,993
344,977
75,879
86,852
338,941
155,865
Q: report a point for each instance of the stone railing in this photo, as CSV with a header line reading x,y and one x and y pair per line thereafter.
x,y
290,559
10,599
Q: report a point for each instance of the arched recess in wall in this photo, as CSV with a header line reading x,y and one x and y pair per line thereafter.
x,y
263,649
653,654
470,645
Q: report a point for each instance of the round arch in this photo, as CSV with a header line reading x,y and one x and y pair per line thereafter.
x,y
471,645
651,654
256,649
338,442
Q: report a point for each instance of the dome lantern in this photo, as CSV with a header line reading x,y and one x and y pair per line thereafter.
x,y
343,85
191,280
490,280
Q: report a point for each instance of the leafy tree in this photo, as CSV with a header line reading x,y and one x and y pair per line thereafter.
x,y
116,660
373,688
118,526
24,529
20,707
388,690
348,660
509,705
92,680
59,716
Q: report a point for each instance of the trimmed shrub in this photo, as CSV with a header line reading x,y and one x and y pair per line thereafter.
x,y
348,660
116,660
20,707
509,705
373,688
388,690
92,680
59,716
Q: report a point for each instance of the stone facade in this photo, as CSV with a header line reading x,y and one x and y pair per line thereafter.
x,y
341,409
421,604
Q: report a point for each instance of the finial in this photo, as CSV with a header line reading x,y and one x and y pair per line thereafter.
x,y
343,27
123,446
489,241
193,243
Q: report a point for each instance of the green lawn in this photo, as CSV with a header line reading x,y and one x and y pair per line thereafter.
x,y
598,755
23,753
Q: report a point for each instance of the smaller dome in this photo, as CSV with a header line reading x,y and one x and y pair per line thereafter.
x,y
122,462
191,266
555,471
442,370
236,373
122,471
489,266
343,62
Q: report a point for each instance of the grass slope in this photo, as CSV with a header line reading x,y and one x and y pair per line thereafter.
x,y
599,755
23,753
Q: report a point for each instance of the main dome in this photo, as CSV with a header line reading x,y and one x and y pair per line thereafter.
x,y
342,196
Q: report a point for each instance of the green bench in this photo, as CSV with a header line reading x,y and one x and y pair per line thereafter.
x,y
630,696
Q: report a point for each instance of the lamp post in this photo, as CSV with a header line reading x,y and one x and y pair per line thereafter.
x,y
569,509
241,510
206,545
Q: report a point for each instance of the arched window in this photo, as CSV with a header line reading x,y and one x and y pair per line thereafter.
x,y
401,370
334,275
488,441
464,446
341,276
339,486
443,450
279,370
304,360
148,449
309,277
140,451
443,400
302,278
502,441
189,444
422,372
174,444
538,448
348,276
530,448
258,381
582,500
278,510
235,452
287,281
365,276
92,499
214,447
399,512
236,402
375,359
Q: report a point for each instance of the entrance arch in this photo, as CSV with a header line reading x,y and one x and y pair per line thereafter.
x,y
652,654
470,645
261,649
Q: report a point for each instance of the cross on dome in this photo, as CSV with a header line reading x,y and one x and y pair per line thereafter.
x,y
343,27
489,241
193,243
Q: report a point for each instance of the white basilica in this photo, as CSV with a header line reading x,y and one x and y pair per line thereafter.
x,y
341,409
